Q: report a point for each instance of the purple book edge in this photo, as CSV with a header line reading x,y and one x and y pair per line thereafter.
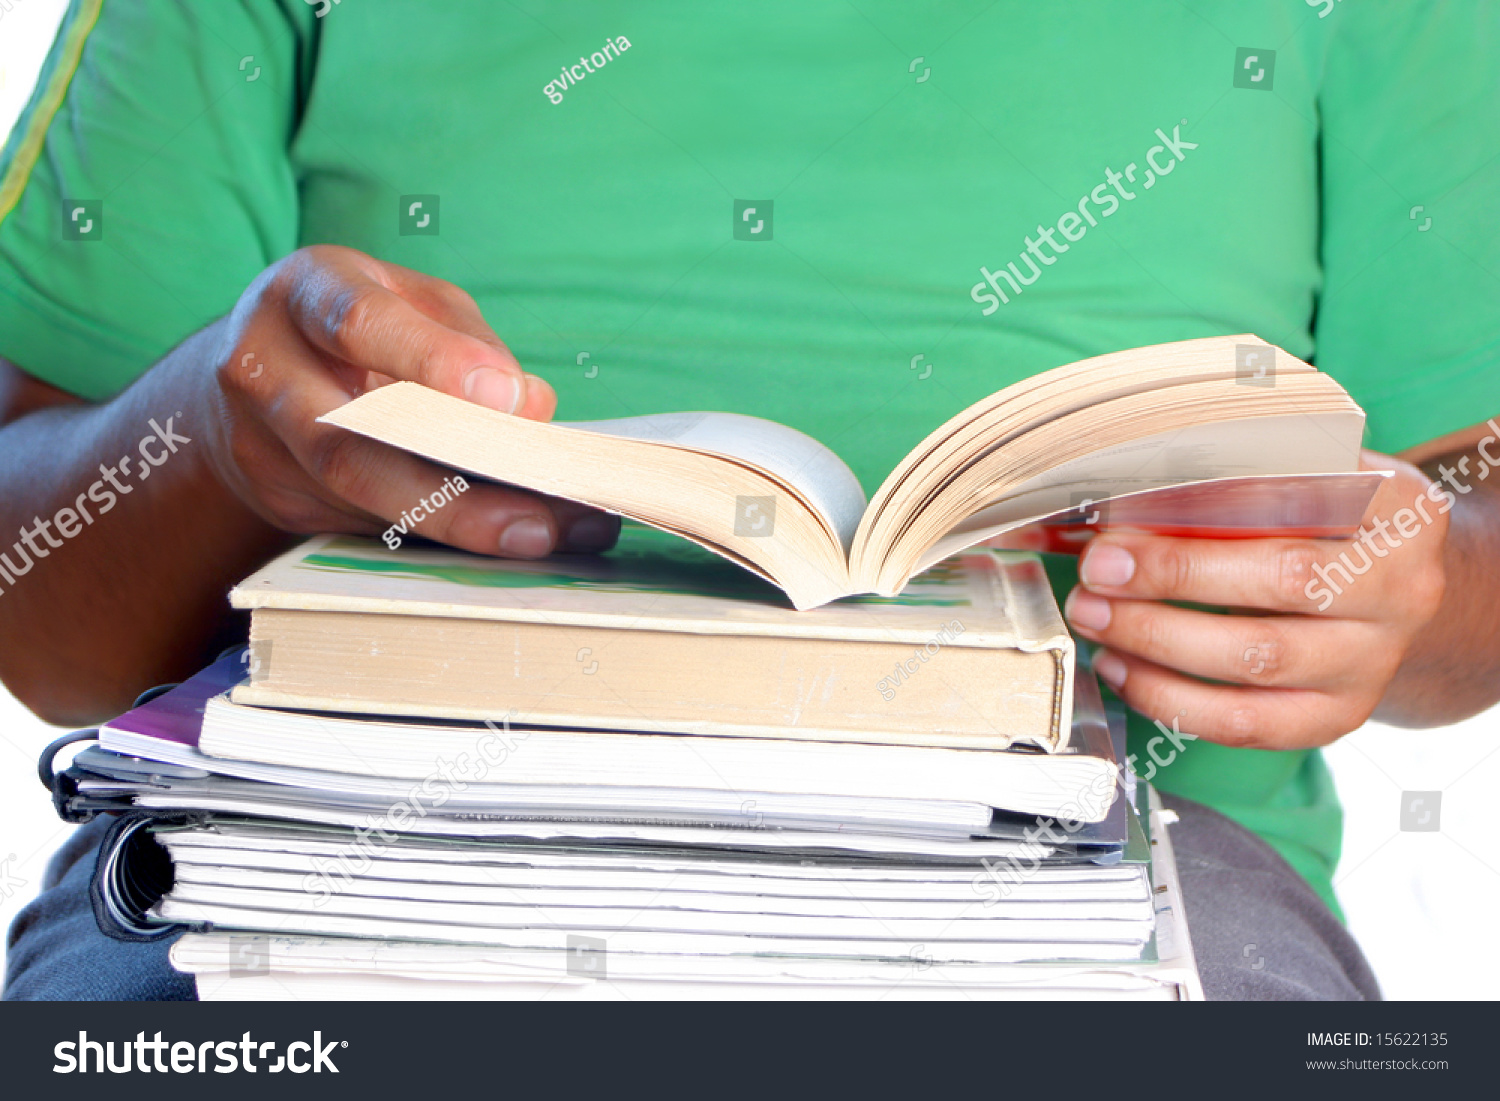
x,y
177,715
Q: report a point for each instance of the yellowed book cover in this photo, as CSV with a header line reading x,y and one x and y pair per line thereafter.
x,y
664,636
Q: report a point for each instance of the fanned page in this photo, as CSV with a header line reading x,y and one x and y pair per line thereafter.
x,y
1325,445
1146,419
797,459
782,505
761,494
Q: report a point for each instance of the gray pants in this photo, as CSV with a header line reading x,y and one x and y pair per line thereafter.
x,y
1259,931
1236,890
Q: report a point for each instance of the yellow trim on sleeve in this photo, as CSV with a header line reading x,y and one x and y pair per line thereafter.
x,y
30,147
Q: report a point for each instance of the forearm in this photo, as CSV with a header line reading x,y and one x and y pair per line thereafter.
x,y
118,555
1452,669
126,565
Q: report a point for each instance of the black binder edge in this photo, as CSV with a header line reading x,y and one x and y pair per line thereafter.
x,y
131,874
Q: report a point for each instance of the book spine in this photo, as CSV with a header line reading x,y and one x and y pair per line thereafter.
x,y
1027,596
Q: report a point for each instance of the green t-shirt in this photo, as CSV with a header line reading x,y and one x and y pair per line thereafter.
x,y
788,209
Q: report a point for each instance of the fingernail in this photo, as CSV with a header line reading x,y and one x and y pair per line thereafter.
x,y
528,538
592,533
1084,609
496,389
1111,669
1107,566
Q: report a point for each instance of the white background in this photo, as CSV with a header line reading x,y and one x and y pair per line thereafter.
x,y
1423,905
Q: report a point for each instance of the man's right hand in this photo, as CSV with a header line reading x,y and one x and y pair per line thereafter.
x,y
319,328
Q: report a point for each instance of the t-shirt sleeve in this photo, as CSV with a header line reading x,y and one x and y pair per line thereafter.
x,y
1407,317
147,182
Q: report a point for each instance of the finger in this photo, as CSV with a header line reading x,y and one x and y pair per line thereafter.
x,y
1255,718
541,400
454,307
308,505
417,497
1282,651
366,487
467,513
540,404
444,302
1279,575
385,482
282,493
348,314
584,530
260,463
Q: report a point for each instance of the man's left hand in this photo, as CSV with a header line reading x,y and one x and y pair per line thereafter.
x,y
1302,656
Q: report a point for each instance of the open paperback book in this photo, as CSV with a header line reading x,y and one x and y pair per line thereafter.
x,y
1278,440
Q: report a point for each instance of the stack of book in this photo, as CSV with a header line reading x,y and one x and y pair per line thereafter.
x,y
323,832
814,747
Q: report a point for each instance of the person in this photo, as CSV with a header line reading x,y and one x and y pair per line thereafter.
x,y
222,221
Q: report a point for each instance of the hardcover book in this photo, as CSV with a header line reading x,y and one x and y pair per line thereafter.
x,y
660,635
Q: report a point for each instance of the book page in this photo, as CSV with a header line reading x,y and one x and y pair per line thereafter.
x,y
1304,444
795,458
791,529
